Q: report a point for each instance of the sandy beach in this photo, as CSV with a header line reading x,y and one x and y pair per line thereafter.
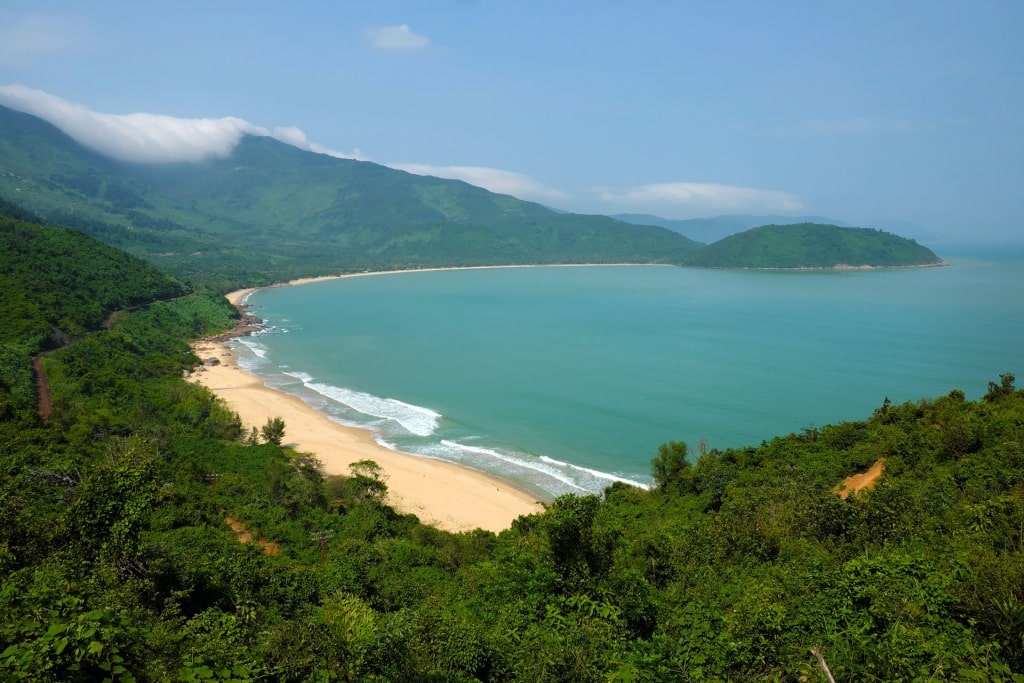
x,y
443,494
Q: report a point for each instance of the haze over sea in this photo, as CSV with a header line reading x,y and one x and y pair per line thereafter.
x,y
562,379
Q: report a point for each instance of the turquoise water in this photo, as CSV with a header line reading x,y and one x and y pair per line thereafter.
x,y
563,379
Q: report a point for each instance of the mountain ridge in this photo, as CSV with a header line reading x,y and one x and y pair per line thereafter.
x,y
713,228
271,211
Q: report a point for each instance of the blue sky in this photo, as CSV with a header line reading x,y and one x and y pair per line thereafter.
x,y
861,111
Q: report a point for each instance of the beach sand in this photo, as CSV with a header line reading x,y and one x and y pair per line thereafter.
x,y
442,494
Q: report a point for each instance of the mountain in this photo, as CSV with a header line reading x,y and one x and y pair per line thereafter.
x,y
37,265
709,230
271,211
812,245
56,285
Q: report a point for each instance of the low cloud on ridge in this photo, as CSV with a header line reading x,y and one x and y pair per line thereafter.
x,y
156,138
149,138
493,179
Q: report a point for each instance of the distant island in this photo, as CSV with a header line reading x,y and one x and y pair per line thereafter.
x,y
812,245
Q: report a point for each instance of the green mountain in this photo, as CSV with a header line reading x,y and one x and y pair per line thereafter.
x,y
708,230
271,211
36,264
811,245
56,285
126,516
712,229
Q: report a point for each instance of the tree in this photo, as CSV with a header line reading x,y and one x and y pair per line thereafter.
x,y
671,468
368,481
1003,389
273,430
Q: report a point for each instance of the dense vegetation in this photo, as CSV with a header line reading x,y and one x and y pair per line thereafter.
x,y
39,264
118,558
57,284
811,245
272,212
708,230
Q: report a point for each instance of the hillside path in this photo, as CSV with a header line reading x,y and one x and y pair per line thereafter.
x,y
859,482
42,388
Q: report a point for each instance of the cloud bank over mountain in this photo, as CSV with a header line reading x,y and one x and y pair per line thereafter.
x,y
493,179
157,138
149,138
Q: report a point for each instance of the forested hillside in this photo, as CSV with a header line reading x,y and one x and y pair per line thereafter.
x,y
123,521
811,245
271,212
57,284
39,264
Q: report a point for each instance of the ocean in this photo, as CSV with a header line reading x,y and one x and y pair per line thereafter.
x,y
565,379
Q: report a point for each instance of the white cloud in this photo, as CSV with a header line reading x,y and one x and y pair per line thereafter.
x,y
398,37
297,138
27,37
356,153
148,138
155,138
493,179
692,199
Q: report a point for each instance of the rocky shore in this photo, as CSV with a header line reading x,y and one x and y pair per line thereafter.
x,y
247,324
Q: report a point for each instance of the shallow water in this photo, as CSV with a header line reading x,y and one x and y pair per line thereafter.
x,y
563,379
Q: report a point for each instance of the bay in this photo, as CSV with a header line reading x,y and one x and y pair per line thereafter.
x,y
563,379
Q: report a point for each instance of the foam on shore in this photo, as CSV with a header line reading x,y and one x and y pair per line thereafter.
x,y
446,495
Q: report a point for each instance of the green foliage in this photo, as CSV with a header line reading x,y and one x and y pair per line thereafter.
x,y
811,245
60,279
17,383
1003,389
273,430
366,483
66,643
671,468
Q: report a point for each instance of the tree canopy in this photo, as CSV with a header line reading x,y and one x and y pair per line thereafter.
x,y
811,245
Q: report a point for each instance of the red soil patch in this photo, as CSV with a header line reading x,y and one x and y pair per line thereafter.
x,y
862,481
243,536
42,388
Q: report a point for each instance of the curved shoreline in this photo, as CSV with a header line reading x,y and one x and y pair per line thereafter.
x,y
446,495
238,297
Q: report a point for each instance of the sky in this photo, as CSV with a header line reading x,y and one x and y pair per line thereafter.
x,y
870,112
